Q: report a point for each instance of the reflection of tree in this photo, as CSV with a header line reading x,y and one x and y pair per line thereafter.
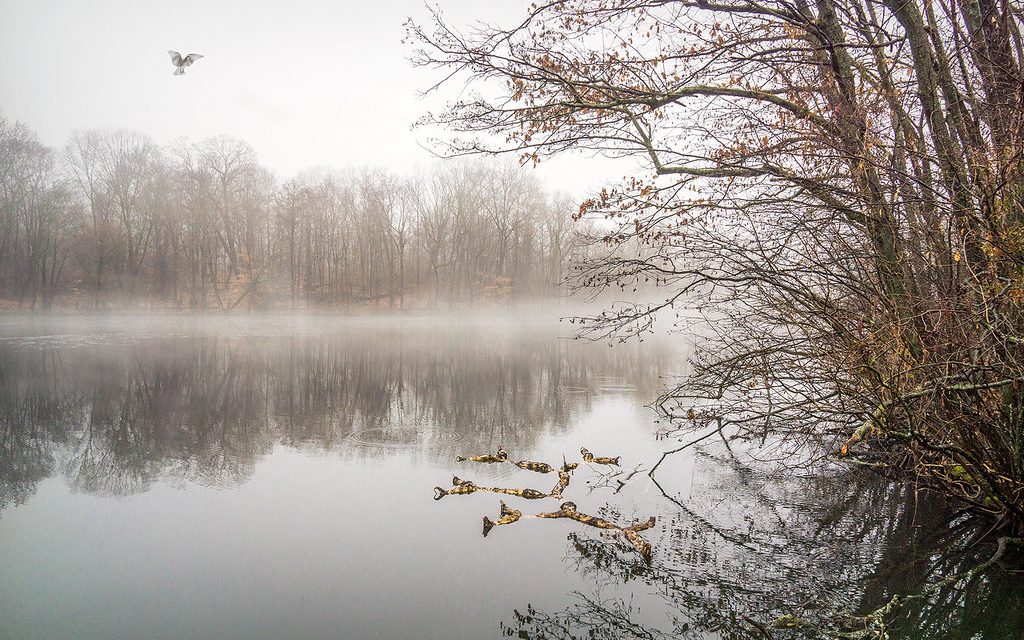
x,y
32,421
113,418
589,617
823,548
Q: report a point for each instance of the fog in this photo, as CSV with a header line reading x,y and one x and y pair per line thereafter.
x,y
114,221
282,171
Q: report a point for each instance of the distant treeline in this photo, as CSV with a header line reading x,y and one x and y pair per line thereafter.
x,y
115,219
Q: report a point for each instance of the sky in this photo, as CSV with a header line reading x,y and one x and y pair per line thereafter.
x,y
308,83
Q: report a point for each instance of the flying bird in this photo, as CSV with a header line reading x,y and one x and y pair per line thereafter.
x,y
180,62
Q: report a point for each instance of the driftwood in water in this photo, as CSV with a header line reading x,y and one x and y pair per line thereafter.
x,y
566,510
538,467
462,487
508,516
631,533
591,458
500,456
563,479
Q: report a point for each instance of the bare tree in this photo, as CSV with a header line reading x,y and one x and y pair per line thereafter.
x,y
838,186
204,225
83,158
37,215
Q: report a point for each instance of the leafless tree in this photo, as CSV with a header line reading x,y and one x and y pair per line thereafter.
x,y
204,225
838,186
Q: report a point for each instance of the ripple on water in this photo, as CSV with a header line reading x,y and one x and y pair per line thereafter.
x,y
613,384
403,437
571,390
616,388
68,340
444,438
386,438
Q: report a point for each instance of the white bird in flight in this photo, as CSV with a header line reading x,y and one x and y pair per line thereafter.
x,y
180,62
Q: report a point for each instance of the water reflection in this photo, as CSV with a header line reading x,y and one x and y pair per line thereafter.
x,y
322,428
113,415
746,546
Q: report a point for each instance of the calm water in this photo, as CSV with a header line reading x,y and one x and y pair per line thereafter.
x,y
273,477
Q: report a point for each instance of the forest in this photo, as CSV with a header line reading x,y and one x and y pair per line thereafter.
x,y
115,220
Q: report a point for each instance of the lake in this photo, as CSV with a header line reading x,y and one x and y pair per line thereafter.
x,y
268,477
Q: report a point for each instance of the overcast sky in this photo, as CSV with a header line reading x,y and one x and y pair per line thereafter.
x,y
308,83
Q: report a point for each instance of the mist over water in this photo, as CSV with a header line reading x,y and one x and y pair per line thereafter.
x,y
269,476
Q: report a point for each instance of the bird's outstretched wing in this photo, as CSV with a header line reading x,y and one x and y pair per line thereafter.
x,y
175,58
192,57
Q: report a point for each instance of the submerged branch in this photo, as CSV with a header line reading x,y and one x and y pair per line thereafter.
x,y
873,625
